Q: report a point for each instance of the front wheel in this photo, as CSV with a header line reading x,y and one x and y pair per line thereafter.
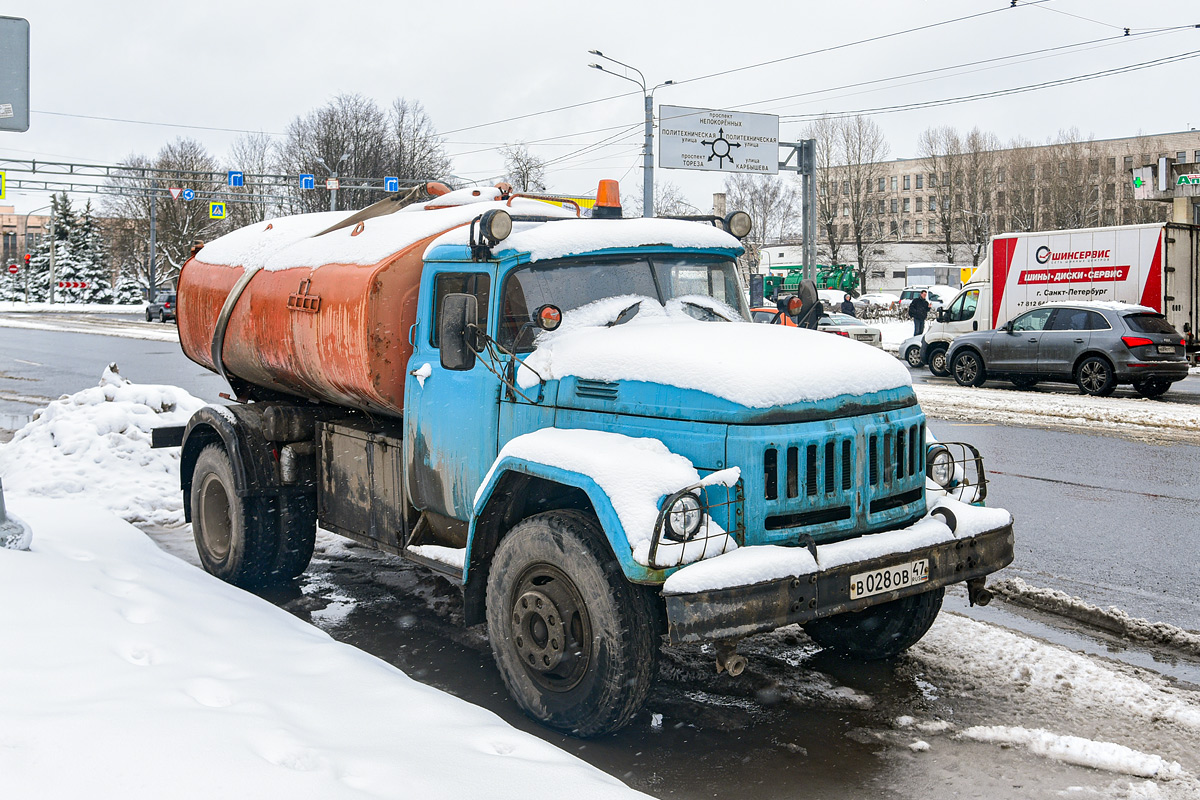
x,y
882,631
162,318
1095,377
913,356
937,360
572,638
968,369
1154,387
149,317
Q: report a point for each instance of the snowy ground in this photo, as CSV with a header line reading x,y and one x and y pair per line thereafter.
x,y
72,308
144,674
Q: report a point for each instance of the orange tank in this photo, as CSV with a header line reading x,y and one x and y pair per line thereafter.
x,y
336,333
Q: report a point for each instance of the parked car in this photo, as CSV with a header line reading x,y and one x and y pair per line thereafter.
x,y
937,295
877,300
910,350
841,324
1095,345
163,307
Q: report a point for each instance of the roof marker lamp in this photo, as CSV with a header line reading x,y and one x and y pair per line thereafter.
x,y
684,518
739,224
608,200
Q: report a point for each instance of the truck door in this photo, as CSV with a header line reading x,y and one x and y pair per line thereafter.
x,y
449,416
1017,351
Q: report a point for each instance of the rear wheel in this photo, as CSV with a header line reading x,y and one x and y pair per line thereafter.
x,y
881,631
1154,387
968,368
1095,377
573,639
913,356
937,360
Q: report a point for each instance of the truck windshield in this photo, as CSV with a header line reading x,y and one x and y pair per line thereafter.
x,y
570,284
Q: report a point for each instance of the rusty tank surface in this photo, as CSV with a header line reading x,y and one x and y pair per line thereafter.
x,y
319,306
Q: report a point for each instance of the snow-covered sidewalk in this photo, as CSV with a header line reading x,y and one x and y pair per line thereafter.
x,y
128,673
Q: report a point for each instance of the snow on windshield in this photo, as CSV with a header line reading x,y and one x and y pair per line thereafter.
x,y
758,366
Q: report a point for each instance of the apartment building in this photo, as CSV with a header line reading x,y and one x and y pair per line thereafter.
x,y
19,234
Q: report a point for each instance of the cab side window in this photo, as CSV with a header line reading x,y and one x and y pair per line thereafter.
x,y
445,283
964,307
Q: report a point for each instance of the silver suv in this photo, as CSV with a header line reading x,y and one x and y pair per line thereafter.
x,y
1094,345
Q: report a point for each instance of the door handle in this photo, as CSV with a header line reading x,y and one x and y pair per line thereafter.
x,y
1079,341
1034,339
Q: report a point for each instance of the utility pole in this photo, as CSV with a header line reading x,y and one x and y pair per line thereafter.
x,y
333,175
153,246
648,147
805,153
53,248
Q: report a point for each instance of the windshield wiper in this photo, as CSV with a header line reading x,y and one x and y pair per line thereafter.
x,y
627,314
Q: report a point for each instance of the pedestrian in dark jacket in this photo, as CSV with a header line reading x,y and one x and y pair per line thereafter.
x,y
918,309
848,306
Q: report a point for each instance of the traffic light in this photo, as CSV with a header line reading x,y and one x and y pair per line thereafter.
x,y
28,256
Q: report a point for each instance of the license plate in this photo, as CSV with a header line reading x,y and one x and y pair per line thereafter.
x,y
864,337
1167,348
888,579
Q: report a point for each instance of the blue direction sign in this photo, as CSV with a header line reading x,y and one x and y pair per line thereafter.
x,y
236,178
188,194
391,184
216,210
308,181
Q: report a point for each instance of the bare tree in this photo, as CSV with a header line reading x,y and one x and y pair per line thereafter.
x,y
863,150
417,152
184,164
1017,186
525,171
973,209
668,201
252,154
771,202
941,154
830,179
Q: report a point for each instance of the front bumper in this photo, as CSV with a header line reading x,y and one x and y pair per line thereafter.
x,y
737,611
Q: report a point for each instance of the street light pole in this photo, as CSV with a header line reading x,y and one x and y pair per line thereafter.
x,y
333,173
648,147
27,249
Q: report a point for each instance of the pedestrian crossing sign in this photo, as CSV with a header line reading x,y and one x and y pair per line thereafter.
x,y
2,186
216,210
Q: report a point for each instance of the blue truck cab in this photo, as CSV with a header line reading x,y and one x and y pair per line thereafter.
x,y
606,455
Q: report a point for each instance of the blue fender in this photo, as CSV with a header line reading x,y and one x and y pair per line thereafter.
x,y
614,531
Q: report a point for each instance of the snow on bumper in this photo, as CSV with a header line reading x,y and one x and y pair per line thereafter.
x,y
760,588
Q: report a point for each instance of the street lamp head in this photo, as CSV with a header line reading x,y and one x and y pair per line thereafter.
x,y
597,66
669,83
596,53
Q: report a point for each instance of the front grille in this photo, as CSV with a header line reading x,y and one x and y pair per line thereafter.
x,y
831,480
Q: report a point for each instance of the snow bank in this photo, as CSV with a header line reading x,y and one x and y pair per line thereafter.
x,y
760,563
635,474
1082,752
1000,405
758,366
131,674
10,306
95,444
1049,676
1111,619
61,321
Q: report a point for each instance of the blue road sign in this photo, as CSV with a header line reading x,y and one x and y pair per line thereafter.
x,y
307,181
188,194
236,178
391,184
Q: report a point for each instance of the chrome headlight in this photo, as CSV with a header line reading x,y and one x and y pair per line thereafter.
x,y
939,466
684,518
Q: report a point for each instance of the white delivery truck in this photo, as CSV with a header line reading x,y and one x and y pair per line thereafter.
x,y
1152,265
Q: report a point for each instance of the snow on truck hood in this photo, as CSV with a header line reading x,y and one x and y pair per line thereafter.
x,y
754,365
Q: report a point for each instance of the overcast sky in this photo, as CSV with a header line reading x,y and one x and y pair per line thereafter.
x,y
253,65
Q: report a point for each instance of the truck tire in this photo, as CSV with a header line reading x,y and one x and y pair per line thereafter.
x,y
968,368
297,538
937,360
235,543
572,638
1095,377
882,631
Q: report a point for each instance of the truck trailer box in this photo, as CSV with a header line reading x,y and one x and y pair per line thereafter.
x,y
1152,265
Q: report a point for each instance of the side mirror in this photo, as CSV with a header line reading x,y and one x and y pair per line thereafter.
x,y
941,316
810,305
1008,326
456,331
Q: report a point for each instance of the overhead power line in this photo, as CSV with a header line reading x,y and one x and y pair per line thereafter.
x,y
998,93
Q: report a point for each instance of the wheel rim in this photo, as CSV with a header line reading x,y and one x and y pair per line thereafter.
x,y
938,360
1093,376
216,521
966,369
914,356
551,632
